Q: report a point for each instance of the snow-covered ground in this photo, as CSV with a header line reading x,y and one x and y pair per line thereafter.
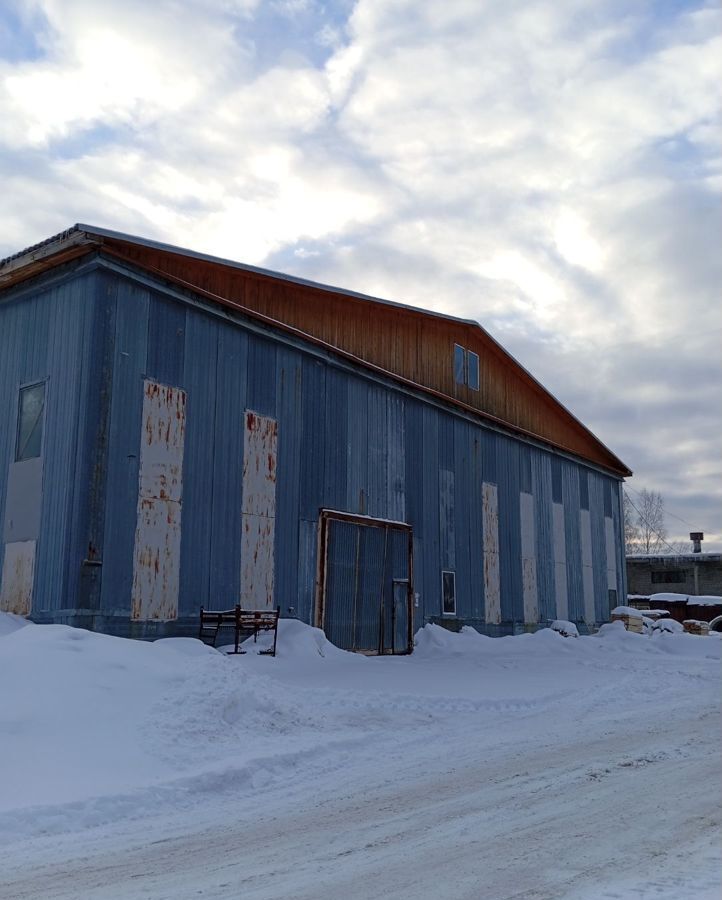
x,y
535,766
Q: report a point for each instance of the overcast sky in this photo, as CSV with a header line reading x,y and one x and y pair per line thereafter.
x,y
550,169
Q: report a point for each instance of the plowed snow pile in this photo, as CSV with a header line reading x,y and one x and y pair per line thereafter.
x,y
534,766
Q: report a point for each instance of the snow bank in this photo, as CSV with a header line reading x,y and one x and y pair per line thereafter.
x,y
435,640
94,728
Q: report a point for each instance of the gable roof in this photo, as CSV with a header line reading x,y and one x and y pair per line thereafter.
x,y
407,343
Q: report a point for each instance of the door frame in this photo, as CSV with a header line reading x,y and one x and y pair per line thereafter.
x,y
327,516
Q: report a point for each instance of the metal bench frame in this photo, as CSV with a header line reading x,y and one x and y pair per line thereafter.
x,y
243,621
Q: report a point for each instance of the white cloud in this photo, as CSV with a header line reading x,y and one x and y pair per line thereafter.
x,y
549,168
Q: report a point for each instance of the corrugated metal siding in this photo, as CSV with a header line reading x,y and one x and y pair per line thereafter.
x,y
200,349
45,334
544,528
227,456
132,304
344,442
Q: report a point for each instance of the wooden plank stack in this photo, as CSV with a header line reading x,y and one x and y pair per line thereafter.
x,y
694,626
631,622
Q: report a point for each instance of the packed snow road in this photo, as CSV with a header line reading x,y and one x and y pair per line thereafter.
x,y
528,767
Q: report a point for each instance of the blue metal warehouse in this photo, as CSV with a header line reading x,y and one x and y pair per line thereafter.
x,y
180,431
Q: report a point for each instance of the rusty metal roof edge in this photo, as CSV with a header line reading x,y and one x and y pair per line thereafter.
x,y
49,247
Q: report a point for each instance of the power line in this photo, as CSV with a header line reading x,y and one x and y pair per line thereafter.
x,y
666,511
650,526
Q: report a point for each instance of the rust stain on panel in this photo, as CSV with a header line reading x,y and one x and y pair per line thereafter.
x,y
156,561
162,448
492,577
16,591
258,511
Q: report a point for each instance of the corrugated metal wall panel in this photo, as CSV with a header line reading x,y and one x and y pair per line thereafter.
x,y
462,516
542,491
230,405
575,584
414,442
599,568
357,417
67,321
45,336
313,440
333,441
377,459
261,395
199,382
302,603
166,341
396,456
290,411
342,584
428,564
126,405
507,457
618,519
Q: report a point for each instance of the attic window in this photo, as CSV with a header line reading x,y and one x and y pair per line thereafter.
x,y
472,369
459,364
466,367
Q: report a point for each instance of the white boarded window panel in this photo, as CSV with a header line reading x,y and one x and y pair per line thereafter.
x,y
611,553
16,589
156,556
585,528
258,534
560,562
528,558
490,525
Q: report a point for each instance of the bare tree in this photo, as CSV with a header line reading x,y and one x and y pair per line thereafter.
x,y
652,530
647,529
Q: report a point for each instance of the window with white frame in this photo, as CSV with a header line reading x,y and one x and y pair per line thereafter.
x,y
31,408
448,593
466,367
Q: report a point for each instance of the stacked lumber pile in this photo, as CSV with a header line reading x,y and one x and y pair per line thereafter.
x,y
694,626
632,618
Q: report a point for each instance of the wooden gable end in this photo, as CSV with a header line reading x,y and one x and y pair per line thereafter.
x,y
415,345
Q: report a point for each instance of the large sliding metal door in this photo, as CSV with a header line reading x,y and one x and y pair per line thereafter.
x,y
365,599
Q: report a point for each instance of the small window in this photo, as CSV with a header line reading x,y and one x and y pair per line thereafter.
x,y
473,369
459,364
612,598
30,422
670,576
448,591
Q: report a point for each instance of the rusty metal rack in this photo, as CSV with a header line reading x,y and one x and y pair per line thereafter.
x,y
243,622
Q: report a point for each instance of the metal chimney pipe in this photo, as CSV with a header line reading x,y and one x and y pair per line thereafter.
x,y
696,537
